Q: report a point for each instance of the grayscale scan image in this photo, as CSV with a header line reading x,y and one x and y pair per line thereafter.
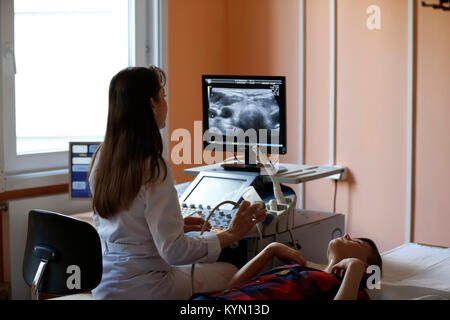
x,y
233,109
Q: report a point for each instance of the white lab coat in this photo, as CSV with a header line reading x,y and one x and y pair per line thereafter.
x,y
146,254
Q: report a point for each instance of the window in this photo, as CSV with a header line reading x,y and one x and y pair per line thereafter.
x,y
58,58
66,52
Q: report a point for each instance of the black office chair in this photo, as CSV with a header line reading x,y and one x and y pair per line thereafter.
x,y
67,249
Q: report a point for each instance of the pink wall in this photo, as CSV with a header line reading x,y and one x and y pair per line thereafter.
x,y
212,37
196,29
432,156
371,119
319,193
262,37
370,115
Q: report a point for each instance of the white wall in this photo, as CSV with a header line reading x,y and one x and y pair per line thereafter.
x,y
16,234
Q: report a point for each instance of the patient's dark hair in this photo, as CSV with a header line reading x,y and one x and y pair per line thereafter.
x,y
373,259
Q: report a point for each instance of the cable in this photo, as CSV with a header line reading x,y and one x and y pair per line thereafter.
x,y
257,247
268,166
291,218
335,193
276,190
235,204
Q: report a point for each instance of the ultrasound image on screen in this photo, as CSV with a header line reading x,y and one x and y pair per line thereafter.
x,y
238,108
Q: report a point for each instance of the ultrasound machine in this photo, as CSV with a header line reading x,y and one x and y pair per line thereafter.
x,y
242,114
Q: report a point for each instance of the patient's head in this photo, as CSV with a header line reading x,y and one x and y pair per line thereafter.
x,y
360,248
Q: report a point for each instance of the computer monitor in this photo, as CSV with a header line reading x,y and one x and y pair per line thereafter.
x,y
80,156
242,111
218,187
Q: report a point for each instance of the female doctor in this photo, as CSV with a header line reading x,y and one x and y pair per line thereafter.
x,y
146,254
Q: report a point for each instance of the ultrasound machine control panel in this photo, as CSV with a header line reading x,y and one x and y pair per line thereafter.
x,y
211,188
208,190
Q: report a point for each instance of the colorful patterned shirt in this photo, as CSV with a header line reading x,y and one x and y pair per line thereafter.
x,y
289,282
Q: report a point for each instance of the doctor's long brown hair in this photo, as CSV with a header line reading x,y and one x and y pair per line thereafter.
x,y
131,153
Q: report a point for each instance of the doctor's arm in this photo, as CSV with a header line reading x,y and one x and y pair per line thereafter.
x,y
195,224
167,227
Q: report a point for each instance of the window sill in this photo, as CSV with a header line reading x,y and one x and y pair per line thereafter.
x,y
36,179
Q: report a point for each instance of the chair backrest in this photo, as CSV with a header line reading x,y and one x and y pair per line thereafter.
x,y
72,248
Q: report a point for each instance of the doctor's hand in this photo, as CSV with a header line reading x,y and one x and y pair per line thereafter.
x,y
243,221
195,224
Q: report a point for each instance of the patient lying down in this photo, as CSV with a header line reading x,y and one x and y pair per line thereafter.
x,y
342,279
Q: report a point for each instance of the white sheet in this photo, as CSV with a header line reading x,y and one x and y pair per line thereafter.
x,y
413,271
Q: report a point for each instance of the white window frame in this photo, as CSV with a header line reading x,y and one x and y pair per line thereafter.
x,y
148,45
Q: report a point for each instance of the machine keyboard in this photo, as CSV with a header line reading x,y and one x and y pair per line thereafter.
x,y
186,212
219,221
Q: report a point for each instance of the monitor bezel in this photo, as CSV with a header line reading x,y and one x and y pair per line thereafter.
x,y
283,110
248,180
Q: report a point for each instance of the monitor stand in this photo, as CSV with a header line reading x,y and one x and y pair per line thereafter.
x,y
245,166
237,166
